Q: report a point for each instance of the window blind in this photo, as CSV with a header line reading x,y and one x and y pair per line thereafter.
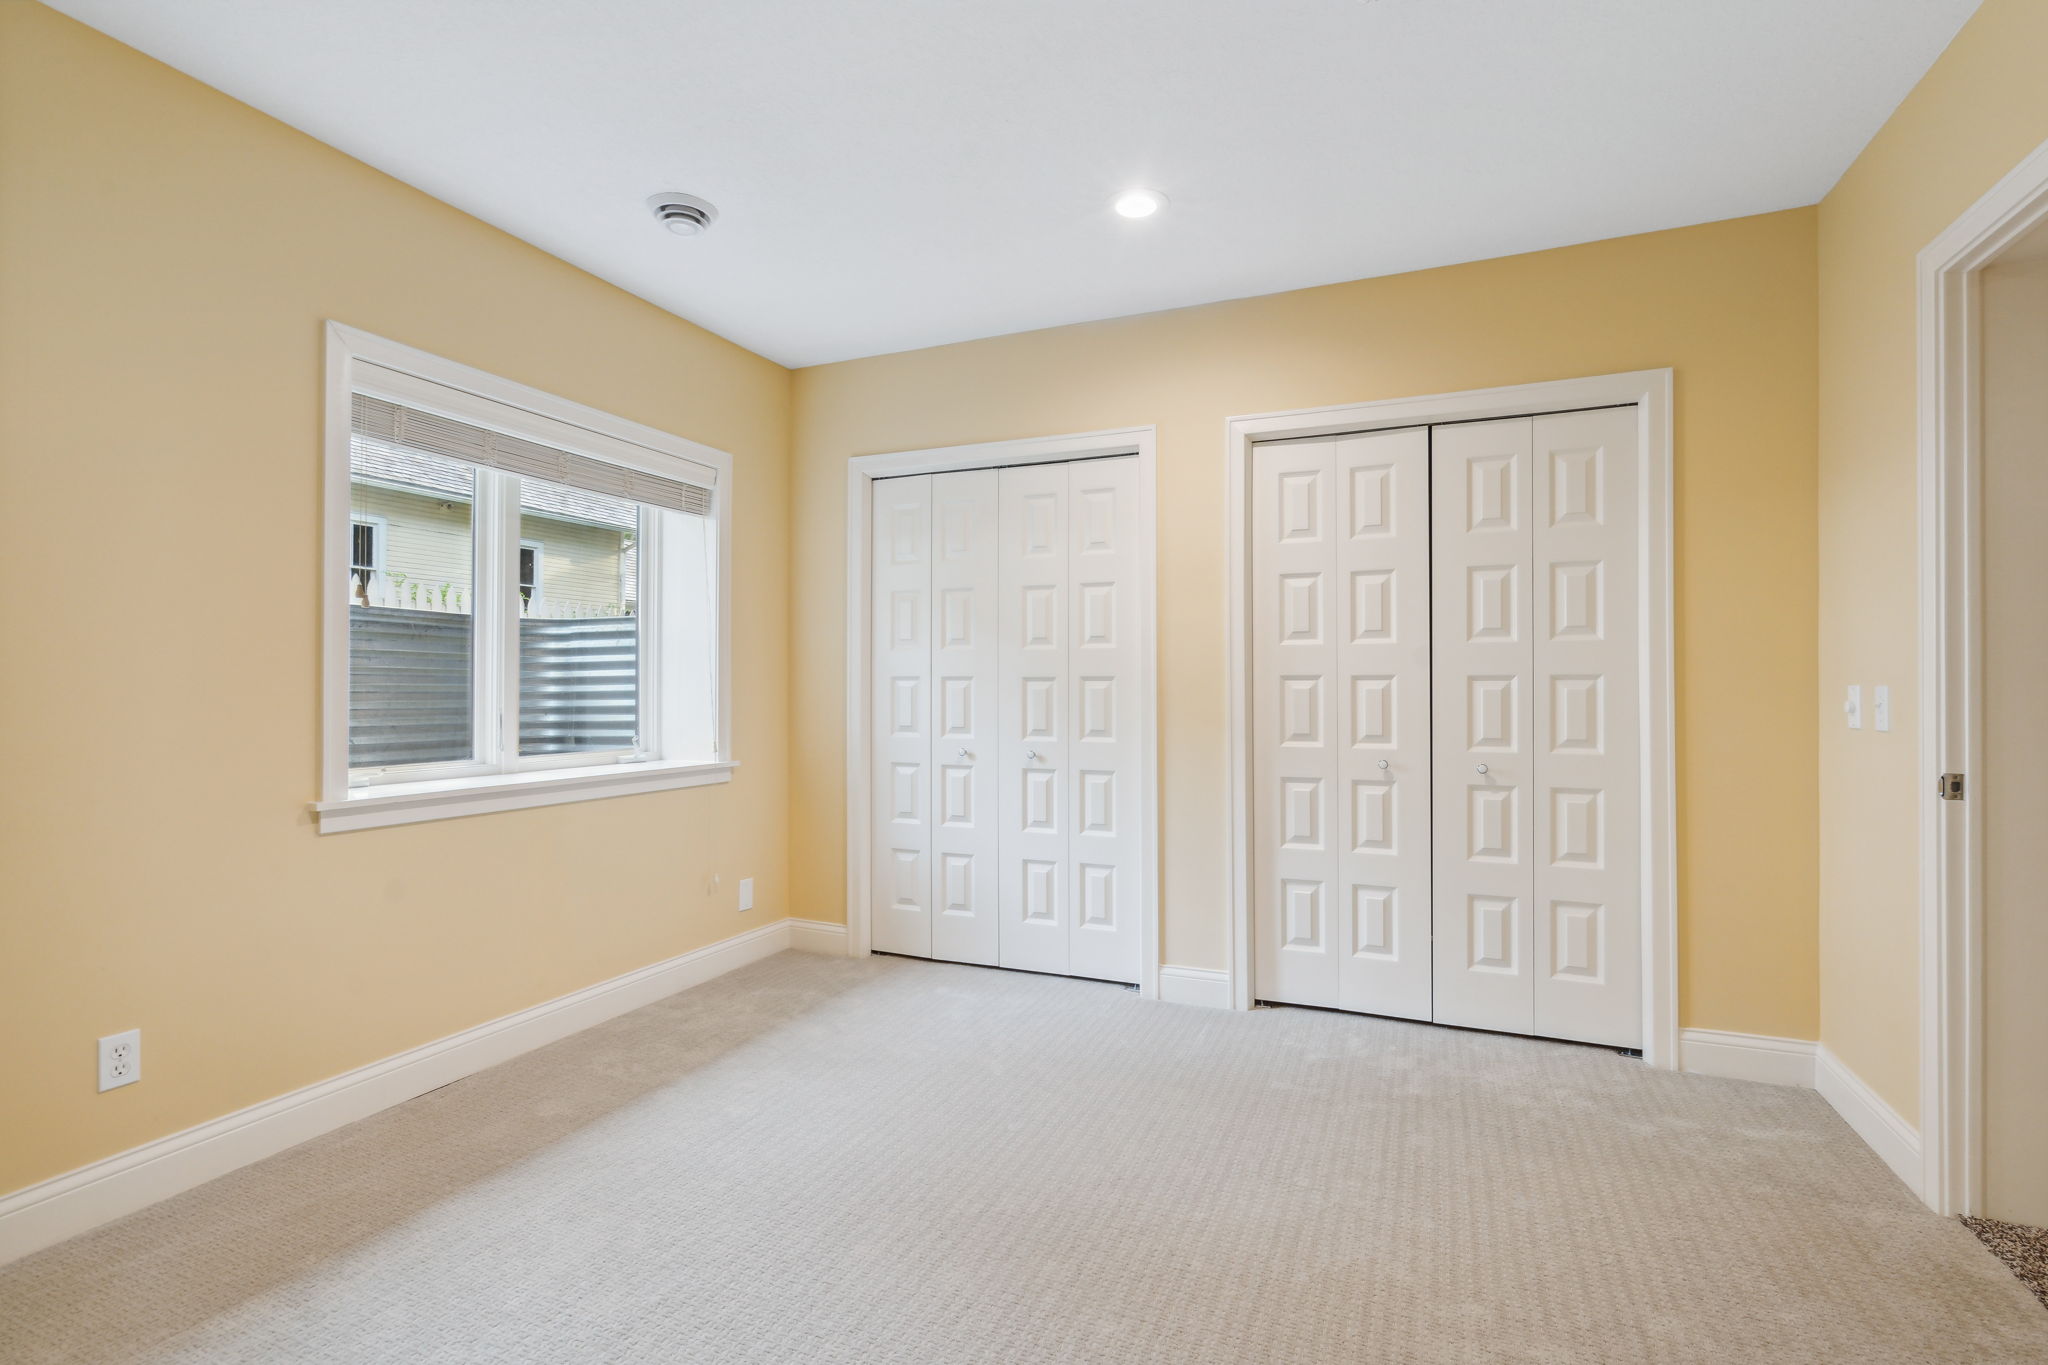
x,y
378,422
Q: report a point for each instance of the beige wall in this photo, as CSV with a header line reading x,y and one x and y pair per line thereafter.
x,y
1978,112
1730,306
167,257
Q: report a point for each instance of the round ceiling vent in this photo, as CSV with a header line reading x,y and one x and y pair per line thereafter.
x,y
683,214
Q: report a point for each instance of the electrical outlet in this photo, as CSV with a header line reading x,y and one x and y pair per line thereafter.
x,y
120,1059
746,893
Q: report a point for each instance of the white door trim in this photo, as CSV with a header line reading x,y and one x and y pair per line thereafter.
x,y
1951,687
861,472
1651,392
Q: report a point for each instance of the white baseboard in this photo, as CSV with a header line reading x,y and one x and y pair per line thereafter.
x,y
1195,986
66,1205
1877,1123
1746,1057
817,936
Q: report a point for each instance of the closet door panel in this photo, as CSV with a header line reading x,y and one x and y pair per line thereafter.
x,y
1588,865
1105,784
900,890
1294,614
966,660
1482,566
1034,777
1380,704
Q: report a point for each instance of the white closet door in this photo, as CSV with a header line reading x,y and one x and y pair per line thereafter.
x,y
900,812
1588,914
1482,552
1105,671
966,657
1294,749
1035,777
1381,707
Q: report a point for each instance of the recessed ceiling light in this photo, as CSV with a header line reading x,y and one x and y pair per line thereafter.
x,y
683,214
1139,203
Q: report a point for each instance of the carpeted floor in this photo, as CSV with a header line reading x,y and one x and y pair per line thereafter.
x,y
820,1160
2023,1249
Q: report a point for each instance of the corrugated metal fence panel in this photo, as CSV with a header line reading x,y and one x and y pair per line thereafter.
x,y
409,685
579,684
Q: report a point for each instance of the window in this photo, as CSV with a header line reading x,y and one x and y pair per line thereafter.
x,y
529,597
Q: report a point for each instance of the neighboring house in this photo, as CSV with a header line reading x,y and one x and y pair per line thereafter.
x,y
411,521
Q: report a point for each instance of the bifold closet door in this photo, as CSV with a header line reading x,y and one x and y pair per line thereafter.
x,y
1538,910
966,656
1341,721
900,763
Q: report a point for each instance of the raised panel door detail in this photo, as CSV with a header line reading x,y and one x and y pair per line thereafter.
x,y
1300,506
1301,608
903,784
1491,936
1575,601
1040,602
1491,488
1095,515
906,711
956,707
1041,526
956,618
1301,813
1372,712
1576,946
1098,803
956,881
1493,605
1491,710
1098,615
1373,922
1041,890
907,868
1301,710
956,527
900,719
1301,908
1372,816
1098,896
956,808
1574,486
1372,500
1576,819
906,534
1040,799
1575,714
1490,824
906,617
1372,605
1098,708
1041,697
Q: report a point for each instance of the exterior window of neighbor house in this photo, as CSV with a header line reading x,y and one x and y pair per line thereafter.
x,y
523,595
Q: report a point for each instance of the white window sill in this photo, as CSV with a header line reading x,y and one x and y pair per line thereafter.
x,y
405,803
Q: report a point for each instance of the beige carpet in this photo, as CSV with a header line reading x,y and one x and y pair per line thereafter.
x,y
828,1160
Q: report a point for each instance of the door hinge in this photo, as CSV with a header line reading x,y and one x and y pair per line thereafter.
x,y
1950,787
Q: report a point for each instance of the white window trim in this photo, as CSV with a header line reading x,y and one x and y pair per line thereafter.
x,y
380,539
358,360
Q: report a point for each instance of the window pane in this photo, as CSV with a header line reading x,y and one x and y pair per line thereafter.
x,y
579,632
411,645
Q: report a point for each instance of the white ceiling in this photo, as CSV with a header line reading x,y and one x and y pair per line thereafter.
x,y
899,173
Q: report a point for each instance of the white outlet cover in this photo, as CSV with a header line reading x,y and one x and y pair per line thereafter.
x,y
120,1059
1880,707
1852,706
746,893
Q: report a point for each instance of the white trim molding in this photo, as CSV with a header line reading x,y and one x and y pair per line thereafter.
x,y
1650,392
66,1205
1896,1142
1951,689
1205,986
1746,1057
861,473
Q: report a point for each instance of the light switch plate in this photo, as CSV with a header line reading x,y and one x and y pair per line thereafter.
x,y
1852,706
1880,707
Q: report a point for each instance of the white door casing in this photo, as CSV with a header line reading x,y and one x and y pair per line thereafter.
x,y
1105,709
966,657
1341,620
1036,783
1588,878
900,785
1482,556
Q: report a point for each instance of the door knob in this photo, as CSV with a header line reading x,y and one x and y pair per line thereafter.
x,y
1480,769
964,753
1383,763
1031,755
